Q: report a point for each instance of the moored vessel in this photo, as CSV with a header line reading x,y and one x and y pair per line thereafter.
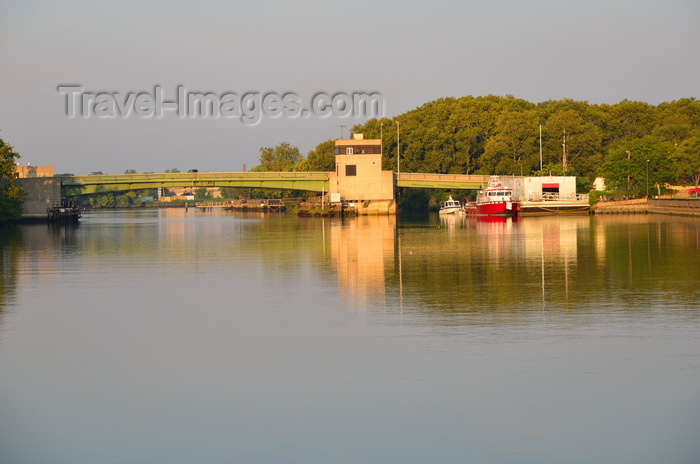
x,y
495,200
451,206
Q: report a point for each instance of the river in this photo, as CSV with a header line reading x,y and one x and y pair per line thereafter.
x,y
172,336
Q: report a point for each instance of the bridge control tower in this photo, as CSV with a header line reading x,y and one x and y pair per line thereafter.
x,y
358,176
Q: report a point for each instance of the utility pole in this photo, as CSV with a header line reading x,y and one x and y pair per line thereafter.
x,y
628,169
341,130
540,147
564,151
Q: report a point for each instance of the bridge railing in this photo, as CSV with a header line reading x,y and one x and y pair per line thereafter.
x,y
309,181
130,178
442,177
553,196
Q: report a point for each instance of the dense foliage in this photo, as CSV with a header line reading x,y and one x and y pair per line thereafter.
x,y
111,199
501,135
280,158
11,195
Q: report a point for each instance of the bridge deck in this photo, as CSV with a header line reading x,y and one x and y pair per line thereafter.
x,y
441,181
305,181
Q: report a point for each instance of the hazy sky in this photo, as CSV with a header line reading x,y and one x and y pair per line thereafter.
x,y
601,51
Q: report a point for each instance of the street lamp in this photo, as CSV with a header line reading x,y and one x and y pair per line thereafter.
x,y
381,138
398,147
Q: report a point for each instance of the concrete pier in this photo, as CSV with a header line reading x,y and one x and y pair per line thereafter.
x,y
675,206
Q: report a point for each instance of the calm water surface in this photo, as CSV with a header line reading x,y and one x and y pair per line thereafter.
x,y
171,336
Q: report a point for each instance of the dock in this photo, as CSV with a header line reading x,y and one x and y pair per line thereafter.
x,y
316,207
549,204
553,208
63,212
256,204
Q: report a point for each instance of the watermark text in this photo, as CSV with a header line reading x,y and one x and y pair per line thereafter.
x,y
247,107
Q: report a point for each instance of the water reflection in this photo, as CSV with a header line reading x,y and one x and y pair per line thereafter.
x,y
363,251
428,264
165,336
9,248
462,265
32,256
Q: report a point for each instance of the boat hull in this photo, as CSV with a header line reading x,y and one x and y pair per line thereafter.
x,y
454,210
496,208
451,206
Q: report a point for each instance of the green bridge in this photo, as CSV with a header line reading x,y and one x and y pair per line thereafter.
x,y
308,181
305,181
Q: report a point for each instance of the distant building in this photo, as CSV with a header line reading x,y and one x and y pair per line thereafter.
x,y
599,184
215,192
175,198
553,187
541,188
28,171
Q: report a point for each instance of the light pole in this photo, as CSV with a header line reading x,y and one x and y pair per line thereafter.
x,y
647,179
540,147
398,147
381,138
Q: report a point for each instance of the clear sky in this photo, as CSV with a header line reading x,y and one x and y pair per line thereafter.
x,y
410,52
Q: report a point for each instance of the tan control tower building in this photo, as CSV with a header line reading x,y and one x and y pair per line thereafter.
x,y
359,179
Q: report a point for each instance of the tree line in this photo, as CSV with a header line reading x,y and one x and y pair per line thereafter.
x,y
627,143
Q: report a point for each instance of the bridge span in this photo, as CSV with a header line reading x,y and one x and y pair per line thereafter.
x,y
441,181
305,181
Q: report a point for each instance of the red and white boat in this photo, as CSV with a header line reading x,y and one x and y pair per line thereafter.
x,y
496,200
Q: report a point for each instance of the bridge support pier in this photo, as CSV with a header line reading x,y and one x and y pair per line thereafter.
x,y
42,192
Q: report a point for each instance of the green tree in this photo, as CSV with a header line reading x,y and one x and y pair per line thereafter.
x,y
584,142
11,194
283,157
628,120
686,161
513,149
102,200
494,134
626,166
321,158
279,158
674,128
202,193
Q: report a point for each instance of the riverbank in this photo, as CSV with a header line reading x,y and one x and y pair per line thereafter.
x,y
673,206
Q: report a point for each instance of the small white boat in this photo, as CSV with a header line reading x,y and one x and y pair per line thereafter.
x,y
451,206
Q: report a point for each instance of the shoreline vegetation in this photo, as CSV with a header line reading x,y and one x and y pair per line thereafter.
x,y
11,195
